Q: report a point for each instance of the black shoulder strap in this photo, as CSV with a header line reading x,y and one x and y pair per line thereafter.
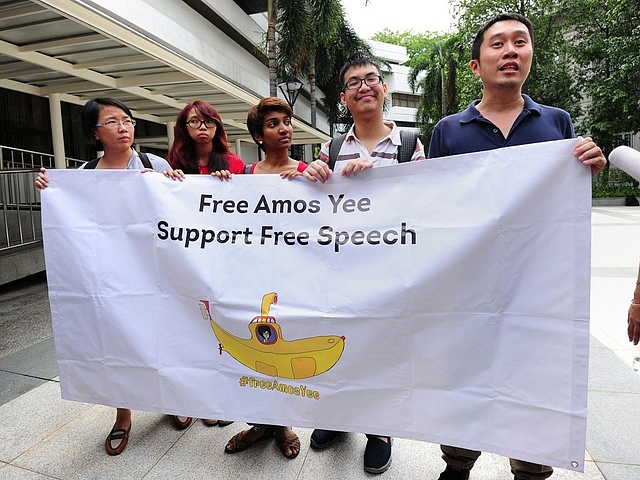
x,y
405,150
91,164
334,149
408,145
145,160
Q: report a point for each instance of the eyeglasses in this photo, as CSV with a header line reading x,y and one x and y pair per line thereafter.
x,y
127,123
195,123
369,80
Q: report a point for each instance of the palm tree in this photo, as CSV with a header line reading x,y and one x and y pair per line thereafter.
x,y
271,47
435,76
304,28
311,39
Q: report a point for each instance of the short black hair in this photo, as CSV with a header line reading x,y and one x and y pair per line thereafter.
x,y
90,114
355,60
503,17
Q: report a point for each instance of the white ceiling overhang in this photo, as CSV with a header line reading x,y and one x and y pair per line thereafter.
x,y
68,48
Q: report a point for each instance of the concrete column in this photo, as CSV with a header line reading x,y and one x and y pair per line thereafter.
x,y
56,131
238,147
170,135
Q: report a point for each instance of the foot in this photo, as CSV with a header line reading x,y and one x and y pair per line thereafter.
x,y
377,454
321,439
182,422
288,442
210,422
119,435
243,440
450,473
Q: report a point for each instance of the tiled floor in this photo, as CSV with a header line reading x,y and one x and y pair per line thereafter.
x,y
45,437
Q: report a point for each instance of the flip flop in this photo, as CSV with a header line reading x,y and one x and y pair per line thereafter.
x,y
238,442
285,442
120,435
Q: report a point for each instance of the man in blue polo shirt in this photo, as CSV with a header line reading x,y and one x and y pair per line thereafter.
x,y
501,58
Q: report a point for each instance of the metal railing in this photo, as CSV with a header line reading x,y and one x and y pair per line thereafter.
x,y
17,158
20,223
19,209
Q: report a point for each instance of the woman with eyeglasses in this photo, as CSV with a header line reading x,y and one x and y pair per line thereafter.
x,y
200,143
200,146
108,126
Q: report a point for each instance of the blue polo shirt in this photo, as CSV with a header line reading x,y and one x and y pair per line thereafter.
x,y
469,131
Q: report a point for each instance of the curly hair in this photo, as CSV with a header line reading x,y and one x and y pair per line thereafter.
x,y
256,114
182,153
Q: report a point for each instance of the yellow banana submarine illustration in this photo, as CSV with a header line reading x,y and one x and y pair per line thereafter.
x,y
267,352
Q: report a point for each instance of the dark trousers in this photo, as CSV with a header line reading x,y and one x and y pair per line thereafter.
x,y
460,458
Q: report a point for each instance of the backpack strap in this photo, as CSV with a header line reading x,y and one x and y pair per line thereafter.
x,y
91,164
144,158
405,150
334,149
247,167
408,145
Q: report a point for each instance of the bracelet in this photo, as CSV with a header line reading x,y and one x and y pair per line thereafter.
x,y
637,282
635,304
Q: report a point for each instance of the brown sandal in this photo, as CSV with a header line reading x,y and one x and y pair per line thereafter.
x,y
238,442
285,442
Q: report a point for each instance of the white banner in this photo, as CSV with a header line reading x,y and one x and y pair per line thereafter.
x,y
445,300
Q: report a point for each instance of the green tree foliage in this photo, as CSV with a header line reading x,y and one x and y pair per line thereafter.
x,y
313,41
332,59
306,28
605,37
551,80
439,62
417,44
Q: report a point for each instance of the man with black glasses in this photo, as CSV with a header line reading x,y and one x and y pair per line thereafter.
x,y
370,142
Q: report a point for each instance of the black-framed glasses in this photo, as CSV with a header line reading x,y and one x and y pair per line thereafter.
x,y
112,124
196,123
369,80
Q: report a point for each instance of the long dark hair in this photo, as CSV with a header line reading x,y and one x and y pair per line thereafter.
x,y
183,153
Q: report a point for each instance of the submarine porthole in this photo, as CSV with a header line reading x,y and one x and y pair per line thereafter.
x,y
266,334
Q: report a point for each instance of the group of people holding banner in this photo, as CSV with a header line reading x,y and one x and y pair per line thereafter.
x,y
501,58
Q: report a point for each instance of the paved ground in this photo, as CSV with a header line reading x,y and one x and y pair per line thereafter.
x,y
45,437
